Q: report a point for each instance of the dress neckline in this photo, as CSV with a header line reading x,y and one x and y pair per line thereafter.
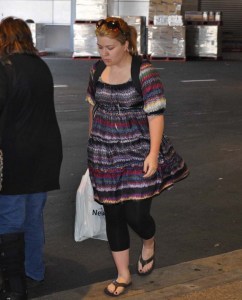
x,y
116,84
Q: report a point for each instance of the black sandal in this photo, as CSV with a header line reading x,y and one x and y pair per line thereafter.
x,y
117,285
144,262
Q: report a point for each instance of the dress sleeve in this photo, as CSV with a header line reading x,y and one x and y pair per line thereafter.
x,y
90,97
152,90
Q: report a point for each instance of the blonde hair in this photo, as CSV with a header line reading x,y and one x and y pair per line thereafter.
x,y
123,33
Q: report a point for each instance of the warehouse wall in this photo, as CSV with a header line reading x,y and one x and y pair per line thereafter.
x,y
55,15
41,11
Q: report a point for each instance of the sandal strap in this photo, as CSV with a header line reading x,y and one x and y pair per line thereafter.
x,y
147,261
116,286
120,284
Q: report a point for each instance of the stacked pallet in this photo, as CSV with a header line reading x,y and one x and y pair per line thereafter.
x,y
204,34
166,32
87,13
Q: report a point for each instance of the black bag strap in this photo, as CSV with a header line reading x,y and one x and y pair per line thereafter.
x,y
100,66
135,70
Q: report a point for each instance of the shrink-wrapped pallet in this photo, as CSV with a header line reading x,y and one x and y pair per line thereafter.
x,y
203,41
166,41
85,43
164,7
91,10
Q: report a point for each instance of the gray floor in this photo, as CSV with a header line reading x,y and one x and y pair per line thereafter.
x,y
200,216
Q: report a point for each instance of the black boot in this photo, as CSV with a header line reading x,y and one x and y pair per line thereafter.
x,y
12,267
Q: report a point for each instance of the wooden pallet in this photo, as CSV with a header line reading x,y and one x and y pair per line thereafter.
x,y
86,57
144,56
232,49
85,22
218,23
204,58
181,59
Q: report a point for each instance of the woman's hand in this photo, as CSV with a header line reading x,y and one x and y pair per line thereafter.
x,y
156,127
150,165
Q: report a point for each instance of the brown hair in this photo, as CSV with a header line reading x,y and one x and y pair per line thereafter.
x,y
127,33
15,37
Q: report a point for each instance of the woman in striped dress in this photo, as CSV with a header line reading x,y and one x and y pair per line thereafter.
x,y
129,159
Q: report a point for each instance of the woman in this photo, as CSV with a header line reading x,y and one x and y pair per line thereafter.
x,y
129,161
32,156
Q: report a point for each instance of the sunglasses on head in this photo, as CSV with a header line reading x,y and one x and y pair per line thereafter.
x,y
112,25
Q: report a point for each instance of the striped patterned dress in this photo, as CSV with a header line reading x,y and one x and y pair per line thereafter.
x,y
120,140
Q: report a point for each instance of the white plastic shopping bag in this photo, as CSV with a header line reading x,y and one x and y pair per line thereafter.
x,y
90,217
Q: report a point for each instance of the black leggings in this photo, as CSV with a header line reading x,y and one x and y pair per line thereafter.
x,y
136,214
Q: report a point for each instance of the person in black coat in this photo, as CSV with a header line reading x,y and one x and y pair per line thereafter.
x,y
32,155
